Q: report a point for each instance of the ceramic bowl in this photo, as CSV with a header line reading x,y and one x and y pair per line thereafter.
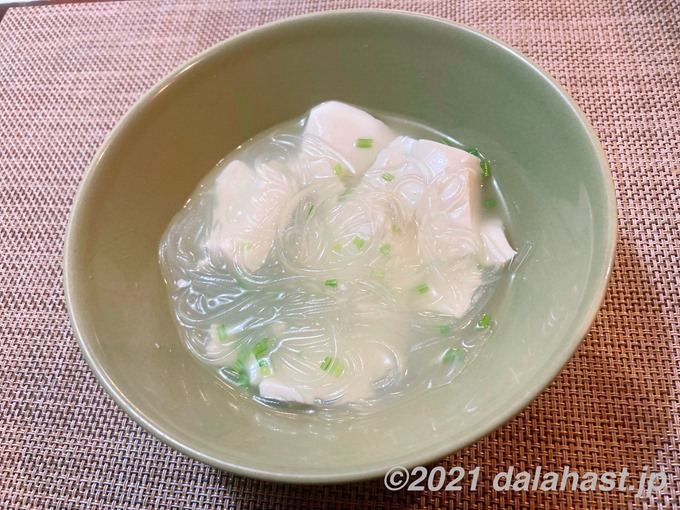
x,y
546,159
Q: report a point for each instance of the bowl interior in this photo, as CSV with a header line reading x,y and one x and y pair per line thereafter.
x,y
545,158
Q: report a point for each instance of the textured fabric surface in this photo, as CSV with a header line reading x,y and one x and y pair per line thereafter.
x,y
67,75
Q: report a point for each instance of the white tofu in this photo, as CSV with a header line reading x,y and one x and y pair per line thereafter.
x,y
275,389
455,185
441,185
431,177
253,369
245,213
498,250
411,180
339,126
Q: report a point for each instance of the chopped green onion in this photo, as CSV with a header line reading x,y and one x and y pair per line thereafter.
x,y
484,322
489,203
337,247
345,193
309,210
238,365
423,288
333,365
378,273
388,177
240,362
243,379
445,329
338,170
449,356
358,242
260,348
331,283
221,331
486,168
326,363
338,368
265,369
472,150
385,249
395,229
364,143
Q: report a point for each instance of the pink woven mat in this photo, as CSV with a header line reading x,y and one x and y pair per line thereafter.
x,y
67,75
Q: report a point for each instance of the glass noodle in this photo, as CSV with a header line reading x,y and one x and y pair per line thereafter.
x,y
339,308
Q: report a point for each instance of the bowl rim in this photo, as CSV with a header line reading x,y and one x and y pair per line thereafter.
x,y
419,457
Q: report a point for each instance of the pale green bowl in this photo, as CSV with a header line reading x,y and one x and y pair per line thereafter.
x,y
546,159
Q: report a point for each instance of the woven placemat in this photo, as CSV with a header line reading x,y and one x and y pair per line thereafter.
x,y
67,75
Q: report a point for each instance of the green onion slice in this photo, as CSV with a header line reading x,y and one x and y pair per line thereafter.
x,y
338,368
331,283
378,273
338,170
486,168
240,363
450,356
334,366
358,242
265,369
445,329
364,143
326,363
423,288
221,331
243,379
484,322
260,348
346,192
388,177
